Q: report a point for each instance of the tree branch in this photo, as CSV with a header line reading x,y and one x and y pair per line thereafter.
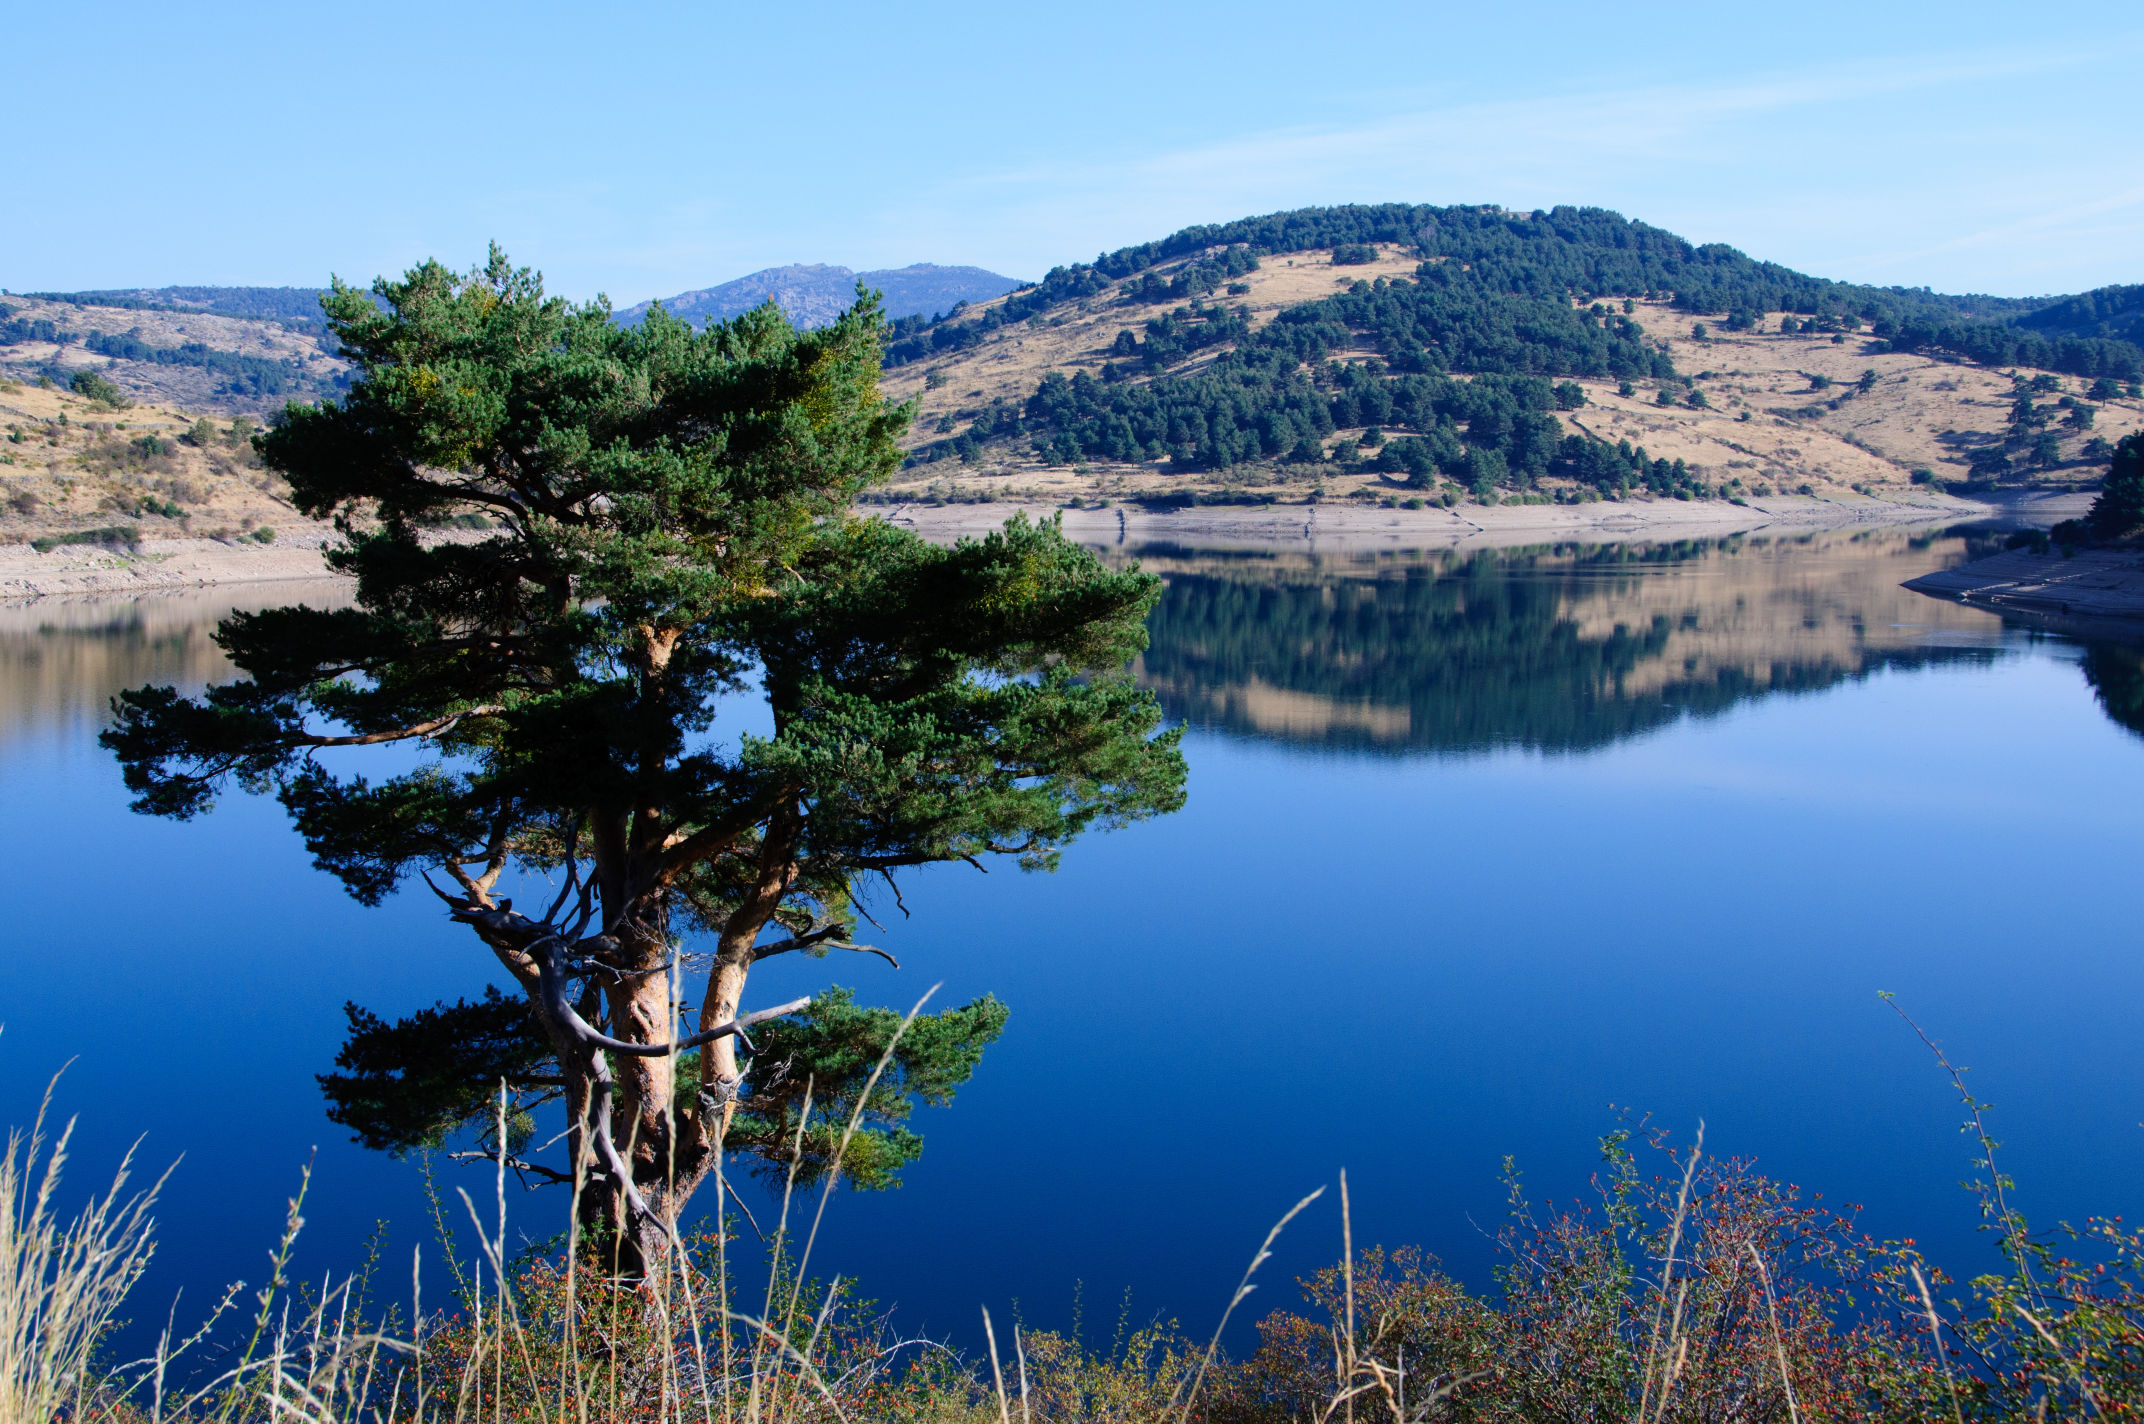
x,y
549,1174
809,941
709,839
401,734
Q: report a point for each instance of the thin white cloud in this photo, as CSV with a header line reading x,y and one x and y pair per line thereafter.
x,y
1663,145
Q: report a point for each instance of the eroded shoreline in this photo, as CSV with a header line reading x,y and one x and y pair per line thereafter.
x,y
298,553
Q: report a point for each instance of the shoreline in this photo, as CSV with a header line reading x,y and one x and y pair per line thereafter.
x,y
1345,528
2091,591
162,564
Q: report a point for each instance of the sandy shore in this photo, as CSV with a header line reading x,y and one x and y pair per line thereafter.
x,y
296,554
1337,527
159,564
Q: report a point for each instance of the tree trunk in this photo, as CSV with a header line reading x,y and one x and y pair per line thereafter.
x,y
658,1137
718,1062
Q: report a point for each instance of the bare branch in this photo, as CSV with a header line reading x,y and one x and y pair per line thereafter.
x,y
513,1162
432,728
865,949
807,940
899,903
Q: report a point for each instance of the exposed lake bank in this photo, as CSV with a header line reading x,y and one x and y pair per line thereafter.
x,y
1337,526
2092,591
297,552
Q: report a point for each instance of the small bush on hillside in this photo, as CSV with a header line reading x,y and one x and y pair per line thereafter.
x,y
1353,254
116,536
93,387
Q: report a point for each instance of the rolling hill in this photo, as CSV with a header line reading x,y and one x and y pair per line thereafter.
x,y
1404,352
1391,354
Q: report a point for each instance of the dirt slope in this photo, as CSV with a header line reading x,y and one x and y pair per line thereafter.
x,y
300,370
69,465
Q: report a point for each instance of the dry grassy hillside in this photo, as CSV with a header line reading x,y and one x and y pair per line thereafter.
x,y
301,371
1767,428
71,465
1014,359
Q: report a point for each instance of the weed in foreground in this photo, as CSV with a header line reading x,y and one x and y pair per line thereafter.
x,y
1699,1291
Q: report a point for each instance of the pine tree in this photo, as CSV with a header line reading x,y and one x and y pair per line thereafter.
x,y
2119,510
670,526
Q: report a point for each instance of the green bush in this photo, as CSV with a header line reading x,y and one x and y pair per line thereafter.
x,y
1353,254
91,386
116,536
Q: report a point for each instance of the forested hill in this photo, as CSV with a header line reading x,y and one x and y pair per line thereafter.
x,y
1456,340
2116,312
1568,252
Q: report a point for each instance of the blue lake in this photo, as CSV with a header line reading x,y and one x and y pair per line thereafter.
x,y
1481,848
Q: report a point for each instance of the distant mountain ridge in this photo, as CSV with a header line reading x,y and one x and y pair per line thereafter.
x,y
814,294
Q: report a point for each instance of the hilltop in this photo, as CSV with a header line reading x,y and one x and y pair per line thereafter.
x,y
1470,354
814,294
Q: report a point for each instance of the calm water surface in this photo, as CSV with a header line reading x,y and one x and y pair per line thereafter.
x,y
1480,849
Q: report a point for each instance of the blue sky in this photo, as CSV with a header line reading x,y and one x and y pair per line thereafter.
x,y
645,150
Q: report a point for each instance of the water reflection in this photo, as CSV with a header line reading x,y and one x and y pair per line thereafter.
x,y
63,659
2116,673
1559,648
1697,925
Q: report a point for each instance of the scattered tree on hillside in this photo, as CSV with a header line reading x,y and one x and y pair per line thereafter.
x,y
669,528
91,386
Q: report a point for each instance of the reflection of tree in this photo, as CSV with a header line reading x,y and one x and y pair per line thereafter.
x,y
2116,674
1492,648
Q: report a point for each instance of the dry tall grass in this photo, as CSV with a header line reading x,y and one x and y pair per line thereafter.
x,y
1701,1294
60,1284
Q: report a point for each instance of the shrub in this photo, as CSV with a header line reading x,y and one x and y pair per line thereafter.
x,y
116,536
1353,254
1922,475
93,387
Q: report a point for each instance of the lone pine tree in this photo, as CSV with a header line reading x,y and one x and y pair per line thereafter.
x,y
666,524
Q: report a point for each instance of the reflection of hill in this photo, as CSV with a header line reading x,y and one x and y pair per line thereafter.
x,y
2116,674
1558,649
61,660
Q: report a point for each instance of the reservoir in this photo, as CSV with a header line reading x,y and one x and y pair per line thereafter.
x,y
1488,852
